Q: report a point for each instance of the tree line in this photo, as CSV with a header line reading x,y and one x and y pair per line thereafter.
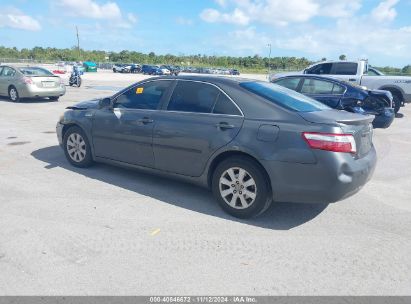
x,y
254,63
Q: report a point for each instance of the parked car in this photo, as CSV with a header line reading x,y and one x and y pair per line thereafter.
x,y
342,95
359,73
29,82
135,68
151,70
173,69
251,142
164,70
234,72
118,68
90,66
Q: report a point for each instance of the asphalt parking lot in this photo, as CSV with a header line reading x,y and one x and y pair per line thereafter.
x,y
108,230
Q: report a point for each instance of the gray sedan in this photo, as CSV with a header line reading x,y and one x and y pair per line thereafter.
x,y
29,82
251,142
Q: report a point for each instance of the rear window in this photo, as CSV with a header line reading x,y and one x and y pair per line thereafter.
x,y
284,97
35,72
345,68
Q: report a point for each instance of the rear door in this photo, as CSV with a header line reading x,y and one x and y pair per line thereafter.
x,y
198,119
324,91
125,132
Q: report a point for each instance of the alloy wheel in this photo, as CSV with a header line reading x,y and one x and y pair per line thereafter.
x,y
76,147
238,188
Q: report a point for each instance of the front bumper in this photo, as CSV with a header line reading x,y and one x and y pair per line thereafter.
x,y
32,91
334,177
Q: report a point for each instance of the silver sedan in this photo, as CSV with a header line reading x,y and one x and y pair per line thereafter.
x,y
29,82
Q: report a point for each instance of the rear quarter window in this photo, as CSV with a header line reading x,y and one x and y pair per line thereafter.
x,y
284,97
289,83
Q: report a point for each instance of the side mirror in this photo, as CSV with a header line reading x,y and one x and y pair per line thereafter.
x,y
106,103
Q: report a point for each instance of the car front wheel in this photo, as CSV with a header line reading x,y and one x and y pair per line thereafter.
x,y
241,187
77,148
13,94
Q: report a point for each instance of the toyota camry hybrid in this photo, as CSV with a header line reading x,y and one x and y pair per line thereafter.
x,y
250,142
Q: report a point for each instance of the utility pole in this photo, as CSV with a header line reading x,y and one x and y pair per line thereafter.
x,y
78,44
269,60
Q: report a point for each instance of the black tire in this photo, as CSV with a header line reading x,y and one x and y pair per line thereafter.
x,y
78,82
54,98
80,162
262,187
14,94
396,102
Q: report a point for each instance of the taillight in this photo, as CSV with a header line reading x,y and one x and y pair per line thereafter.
x,y
331,142
27,80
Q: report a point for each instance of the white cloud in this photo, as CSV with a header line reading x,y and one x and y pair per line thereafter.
x,y
132,18
236,17
108,11
279,12
385,11
184,21
14,18
90,9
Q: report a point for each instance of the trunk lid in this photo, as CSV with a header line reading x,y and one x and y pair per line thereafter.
x,y
45,81
360,126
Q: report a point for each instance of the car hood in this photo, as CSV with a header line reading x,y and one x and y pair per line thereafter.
x,y
85,105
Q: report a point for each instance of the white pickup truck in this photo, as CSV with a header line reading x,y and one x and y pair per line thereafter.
x,y
361,73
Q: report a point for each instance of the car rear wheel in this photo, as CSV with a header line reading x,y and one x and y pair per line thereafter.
x,y
13,94
77,148
241,187
54,98
396,102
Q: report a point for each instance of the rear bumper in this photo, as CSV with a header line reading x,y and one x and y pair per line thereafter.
x,y
31,91
384,120
334,177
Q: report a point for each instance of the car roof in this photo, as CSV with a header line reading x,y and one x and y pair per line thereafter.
x,y
224,80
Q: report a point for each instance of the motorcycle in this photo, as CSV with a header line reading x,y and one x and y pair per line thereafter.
x,y
75,78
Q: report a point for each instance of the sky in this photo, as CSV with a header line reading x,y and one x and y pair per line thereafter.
x,y
379,30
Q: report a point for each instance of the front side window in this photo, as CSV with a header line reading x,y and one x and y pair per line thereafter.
x,y
316,86
320,69
146,96
8,72
289,83
197,97
345,68
284,97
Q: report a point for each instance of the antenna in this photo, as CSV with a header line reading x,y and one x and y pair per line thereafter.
x,y
78,43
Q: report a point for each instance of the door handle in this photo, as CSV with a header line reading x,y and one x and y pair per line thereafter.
x,y
224,126
352,79
145,120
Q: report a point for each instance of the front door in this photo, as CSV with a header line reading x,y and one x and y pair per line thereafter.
x,y
125,131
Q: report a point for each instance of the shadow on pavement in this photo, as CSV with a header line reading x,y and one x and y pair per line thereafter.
x,y
280,216
28,100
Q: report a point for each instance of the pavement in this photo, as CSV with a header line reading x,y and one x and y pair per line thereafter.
x,y
111,231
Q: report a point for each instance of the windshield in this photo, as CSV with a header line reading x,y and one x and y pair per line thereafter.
x,y
284,97
31,71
